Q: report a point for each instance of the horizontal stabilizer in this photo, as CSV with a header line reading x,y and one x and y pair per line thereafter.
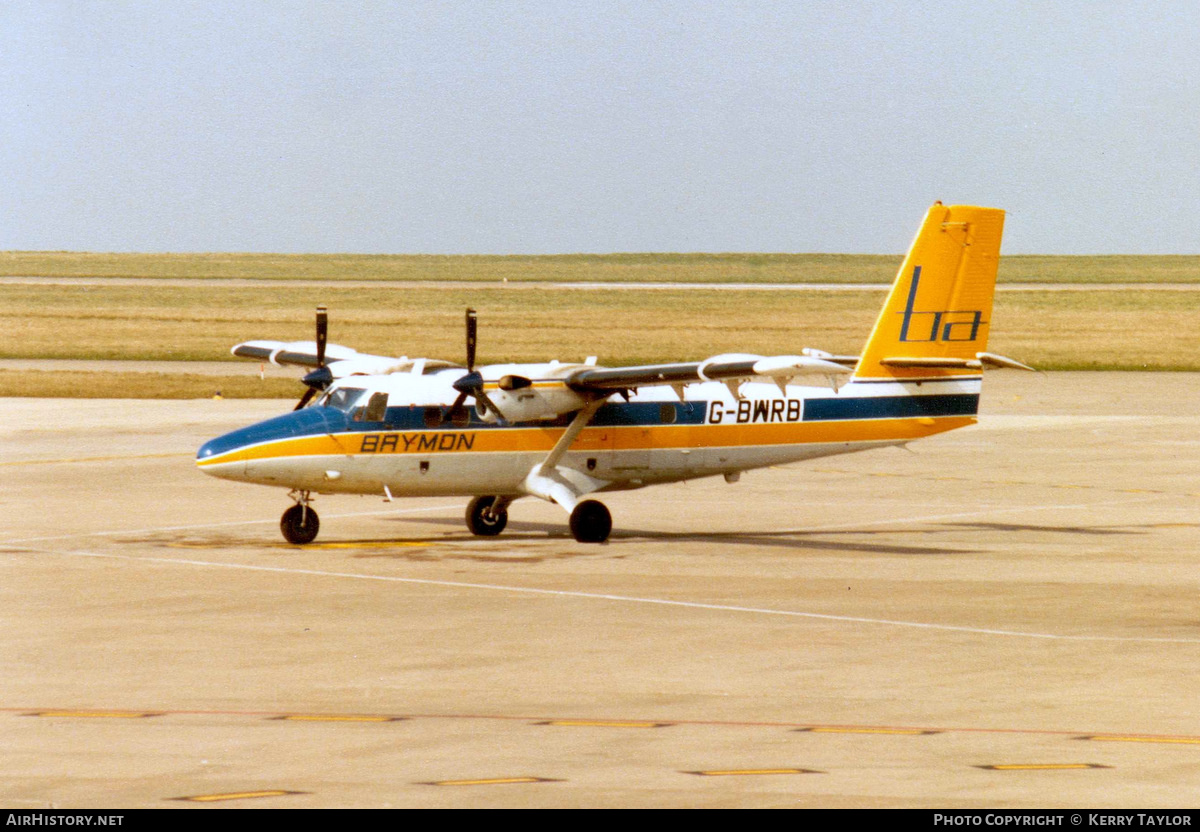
x,y
981,360
1002,362
927,362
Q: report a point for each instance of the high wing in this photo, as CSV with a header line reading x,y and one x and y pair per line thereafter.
x,y
297,353
341,361
732,369
735,368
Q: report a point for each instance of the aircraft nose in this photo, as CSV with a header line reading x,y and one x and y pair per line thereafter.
x,y
206,450
206,459
226,455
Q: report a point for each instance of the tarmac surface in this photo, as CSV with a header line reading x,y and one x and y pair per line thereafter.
x,y
1002,616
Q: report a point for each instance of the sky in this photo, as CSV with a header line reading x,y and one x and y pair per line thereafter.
x,y
498,127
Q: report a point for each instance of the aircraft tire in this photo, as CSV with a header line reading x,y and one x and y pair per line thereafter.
x,y
299,525
478,520
591,522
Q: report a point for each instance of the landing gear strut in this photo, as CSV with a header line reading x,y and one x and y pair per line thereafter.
x,y
487,516
591,522
300,523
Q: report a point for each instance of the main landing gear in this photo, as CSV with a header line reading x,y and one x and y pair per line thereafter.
x,y
591,521
300,523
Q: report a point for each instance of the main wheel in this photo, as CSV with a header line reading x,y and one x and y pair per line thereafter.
x,y
299,524
483,523
591,522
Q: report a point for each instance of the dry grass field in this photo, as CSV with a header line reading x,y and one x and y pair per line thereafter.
x,y
1105,328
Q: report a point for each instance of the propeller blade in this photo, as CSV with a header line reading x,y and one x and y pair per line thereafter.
x,y
481,396
471,328
457,407
322,334
319,378
306,398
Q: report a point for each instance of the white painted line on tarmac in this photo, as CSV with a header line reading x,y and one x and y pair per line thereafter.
x,y
627,599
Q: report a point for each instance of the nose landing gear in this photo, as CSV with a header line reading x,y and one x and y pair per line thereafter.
x,y
300,523
487,516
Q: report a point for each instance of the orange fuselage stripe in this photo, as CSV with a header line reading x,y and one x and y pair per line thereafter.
x,y
632,438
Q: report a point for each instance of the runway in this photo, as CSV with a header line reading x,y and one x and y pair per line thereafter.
x,y
1003,616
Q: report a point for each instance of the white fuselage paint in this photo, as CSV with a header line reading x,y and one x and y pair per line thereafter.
x,y
496,460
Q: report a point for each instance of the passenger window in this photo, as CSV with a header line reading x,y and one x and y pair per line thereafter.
x,y
433,417
377,407
666,414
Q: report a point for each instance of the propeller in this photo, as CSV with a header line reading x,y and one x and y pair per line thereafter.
x,y
321,377
472,383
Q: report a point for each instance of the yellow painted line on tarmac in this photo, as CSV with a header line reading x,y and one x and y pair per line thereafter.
x,y
1172,740
70,460
336,718
374,544
1042,766
587,723
911,732
492,781
752,772
98,714
212,798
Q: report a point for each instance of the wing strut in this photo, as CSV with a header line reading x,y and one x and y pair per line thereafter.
x,y
577,424
563,485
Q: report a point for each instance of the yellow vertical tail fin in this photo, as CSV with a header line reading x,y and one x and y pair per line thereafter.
x,y
936,317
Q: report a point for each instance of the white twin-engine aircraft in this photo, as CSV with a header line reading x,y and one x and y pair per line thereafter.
x,y
402,427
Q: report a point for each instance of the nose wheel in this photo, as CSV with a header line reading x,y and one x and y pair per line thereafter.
x,y
591,522
300,524
487,516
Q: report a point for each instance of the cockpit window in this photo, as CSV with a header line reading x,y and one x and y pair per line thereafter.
x,y
343,398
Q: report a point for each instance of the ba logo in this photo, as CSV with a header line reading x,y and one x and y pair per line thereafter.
x,y
948,325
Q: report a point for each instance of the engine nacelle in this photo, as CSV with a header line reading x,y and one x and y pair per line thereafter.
x,y
535,402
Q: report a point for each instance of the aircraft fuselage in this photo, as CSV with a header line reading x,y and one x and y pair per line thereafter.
x,y
417,449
